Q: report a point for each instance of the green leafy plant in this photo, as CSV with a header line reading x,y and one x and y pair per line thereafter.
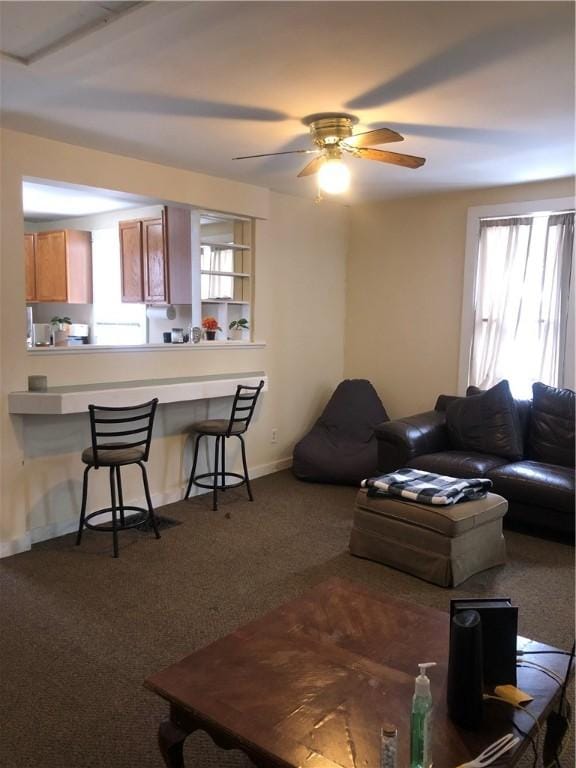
x,y
239,325
60,321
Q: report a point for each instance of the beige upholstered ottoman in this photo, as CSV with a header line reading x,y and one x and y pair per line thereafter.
x,y
442,544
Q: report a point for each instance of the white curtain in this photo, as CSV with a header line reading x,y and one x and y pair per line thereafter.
x,y
560,243
521,301
214,286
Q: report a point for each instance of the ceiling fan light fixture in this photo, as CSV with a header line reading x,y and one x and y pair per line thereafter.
x,y
334,177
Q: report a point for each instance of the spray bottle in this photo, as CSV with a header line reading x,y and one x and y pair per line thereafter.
x,y
420,721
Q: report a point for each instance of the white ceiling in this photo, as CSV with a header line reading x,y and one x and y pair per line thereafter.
x,y
483,90
43,202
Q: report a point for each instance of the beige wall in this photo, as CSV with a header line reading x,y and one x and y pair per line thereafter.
x,y
404,290
299,313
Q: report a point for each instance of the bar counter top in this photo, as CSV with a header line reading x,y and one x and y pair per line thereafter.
x,y
77,398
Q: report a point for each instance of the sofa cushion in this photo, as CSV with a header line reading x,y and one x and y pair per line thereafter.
x,y
523,408
444,401
533,482
457,463
551,435
486,423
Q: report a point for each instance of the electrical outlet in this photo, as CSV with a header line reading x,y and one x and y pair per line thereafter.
x,y
274,436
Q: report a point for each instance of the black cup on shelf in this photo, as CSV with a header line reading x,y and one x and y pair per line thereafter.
x,y
167,336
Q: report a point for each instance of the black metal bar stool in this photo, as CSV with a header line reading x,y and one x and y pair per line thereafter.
x,y
120,437
242,410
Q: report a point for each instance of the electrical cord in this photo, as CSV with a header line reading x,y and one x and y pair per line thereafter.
x,y
535,742
558,722
532,742
546,670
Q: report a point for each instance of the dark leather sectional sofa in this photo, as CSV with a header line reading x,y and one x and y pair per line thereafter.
x,y
539,487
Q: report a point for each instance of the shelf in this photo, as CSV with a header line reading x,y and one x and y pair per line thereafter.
x,y
226,246
224,274
225,301
75,399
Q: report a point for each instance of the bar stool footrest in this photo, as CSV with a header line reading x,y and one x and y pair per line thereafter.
x,y
226,486
129,522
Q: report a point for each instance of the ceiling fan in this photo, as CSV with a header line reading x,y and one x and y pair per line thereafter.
x,y
332,133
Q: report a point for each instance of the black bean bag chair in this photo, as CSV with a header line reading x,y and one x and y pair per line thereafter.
x,y
341,446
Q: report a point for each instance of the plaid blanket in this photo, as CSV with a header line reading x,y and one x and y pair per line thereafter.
x,y
427,487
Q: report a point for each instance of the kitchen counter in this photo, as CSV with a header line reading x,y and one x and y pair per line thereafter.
x,y
91,349
77,398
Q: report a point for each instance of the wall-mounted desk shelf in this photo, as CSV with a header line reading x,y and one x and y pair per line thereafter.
x,y
76,399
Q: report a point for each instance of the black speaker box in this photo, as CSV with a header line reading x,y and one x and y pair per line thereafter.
x,y
499,621
465,679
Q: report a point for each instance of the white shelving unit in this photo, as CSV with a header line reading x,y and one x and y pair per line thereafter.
x,y
226,272
225,246
223,274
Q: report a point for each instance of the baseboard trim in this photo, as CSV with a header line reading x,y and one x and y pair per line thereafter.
x,y
15,546
273,466
169,496
53,530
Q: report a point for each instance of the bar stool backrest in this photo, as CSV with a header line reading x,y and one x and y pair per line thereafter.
x,y
243,408
116,429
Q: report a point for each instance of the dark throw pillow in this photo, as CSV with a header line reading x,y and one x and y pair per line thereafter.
x,y
551,437
523,409
486,423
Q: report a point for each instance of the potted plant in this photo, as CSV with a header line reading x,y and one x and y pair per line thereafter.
x,y
61,329
210,325
236,327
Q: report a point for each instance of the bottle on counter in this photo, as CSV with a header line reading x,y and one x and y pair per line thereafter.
x,y
421,720
388,746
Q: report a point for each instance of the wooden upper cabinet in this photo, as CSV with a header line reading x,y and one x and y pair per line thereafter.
x,y
131,261
79,266
51,272
154,261
29,267
62,266
177,239
156,258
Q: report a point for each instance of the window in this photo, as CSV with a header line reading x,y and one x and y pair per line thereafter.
x,y
215,261
521,306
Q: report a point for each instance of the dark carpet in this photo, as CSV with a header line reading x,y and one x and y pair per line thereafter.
x,y
80,631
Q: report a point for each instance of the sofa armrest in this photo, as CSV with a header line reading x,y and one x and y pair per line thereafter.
x,y
402,440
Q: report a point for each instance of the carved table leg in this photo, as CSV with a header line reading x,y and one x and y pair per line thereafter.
x,y
171,737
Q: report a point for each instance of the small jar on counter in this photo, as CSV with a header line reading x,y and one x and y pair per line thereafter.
x,y
388,746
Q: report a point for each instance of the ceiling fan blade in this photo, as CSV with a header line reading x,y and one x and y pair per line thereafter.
x,y
312,167
272,154
407,161
370,138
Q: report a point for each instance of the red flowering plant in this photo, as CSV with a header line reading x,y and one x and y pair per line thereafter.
x,y
210,324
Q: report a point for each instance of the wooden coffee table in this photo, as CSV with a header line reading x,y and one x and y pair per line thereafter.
x,y
311,683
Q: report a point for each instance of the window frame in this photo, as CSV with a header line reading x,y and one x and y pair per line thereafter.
x,y
475,214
